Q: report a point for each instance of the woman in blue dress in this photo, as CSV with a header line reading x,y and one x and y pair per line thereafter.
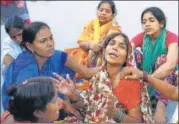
x,y
40,59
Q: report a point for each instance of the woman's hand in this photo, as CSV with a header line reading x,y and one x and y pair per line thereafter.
x,y
96,47
66,87
110,108
70,109
132,73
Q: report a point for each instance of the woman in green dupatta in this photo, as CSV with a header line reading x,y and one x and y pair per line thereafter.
x,y
157,54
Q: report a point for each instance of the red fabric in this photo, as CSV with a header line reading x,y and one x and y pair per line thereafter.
x,y
171,38
6,114
128,92
27,21
5,2
138,39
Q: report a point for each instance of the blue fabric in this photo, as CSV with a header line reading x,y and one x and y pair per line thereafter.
x,y
25,66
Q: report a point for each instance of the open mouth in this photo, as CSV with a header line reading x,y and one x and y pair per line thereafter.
x,y
113,55
51,50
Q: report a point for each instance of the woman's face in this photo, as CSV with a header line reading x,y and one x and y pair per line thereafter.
x,y
52,109
116,51
151,25
16,35
43,45
104,13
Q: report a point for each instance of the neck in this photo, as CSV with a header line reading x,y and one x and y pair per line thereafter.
x,y
113,70
40,60
154,36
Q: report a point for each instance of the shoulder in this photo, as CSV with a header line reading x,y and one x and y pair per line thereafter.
x,y
7,41
138,39
171,38
58,53
59,57
138,36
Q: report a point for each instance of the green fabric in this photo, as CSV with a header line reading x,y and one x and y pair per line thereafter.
x,y
152,51
150,54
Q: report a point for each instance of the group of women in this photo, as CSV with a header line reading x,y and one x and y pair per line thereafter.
x,y
106,63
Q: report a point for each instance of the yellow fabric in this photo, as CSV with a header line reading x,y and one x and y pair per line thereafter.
x,y
92,33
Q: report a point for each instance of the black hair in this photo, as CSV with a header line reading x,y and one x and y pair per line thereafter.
x,y
112,36
30,31
111,3
157,13
14,22
26,98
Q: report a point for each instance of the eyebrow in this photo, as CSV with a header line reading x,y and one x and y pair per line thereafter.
x,y
45,37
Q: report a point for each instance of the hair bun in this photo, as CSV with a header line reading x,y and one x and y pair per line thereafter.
x,y
11,90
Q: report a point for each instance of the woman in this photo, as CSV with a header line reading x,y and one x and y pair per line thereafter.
x,y
159,52
90,42
36,100
14,26
109,97
11,48
39,59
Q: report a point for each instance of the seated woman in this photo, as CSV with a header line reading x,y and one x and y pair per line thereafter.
x,y
111,98
36,100
39,59
90,42
159,53
14,26
11,48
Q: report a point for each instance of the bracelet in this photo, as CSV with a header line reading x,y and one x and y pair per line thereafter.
x,y
72,102
145,76
119,116
75,101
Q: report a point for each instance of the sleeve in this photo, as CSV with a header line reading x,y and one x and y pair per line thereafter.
x,y
63,58
138,39
128,92
63,70
7,82
171,38
85,35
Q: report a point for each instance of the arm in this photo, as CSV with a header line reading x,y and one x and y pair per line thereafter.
x,y
81,69
134,115
165,88
7,60
172,57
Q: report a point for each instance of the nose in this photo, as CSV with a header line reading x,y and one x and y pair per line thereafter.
x,y
115,48
147,24
103,12
19,39
50,43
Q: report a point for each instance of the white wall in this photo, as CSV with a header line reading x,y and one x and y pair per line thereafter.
x,y
67,18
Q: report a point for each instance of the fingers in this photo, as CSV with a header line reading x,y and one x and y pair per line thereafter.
x,y
68,79
130,77
58,76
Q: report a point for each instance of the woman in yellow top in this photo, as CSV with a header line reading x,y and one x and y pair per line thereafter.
x,y
90,42
95,32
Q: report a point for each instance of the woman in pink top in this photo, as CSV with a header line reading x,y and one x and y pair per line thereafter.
x,y
157,53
